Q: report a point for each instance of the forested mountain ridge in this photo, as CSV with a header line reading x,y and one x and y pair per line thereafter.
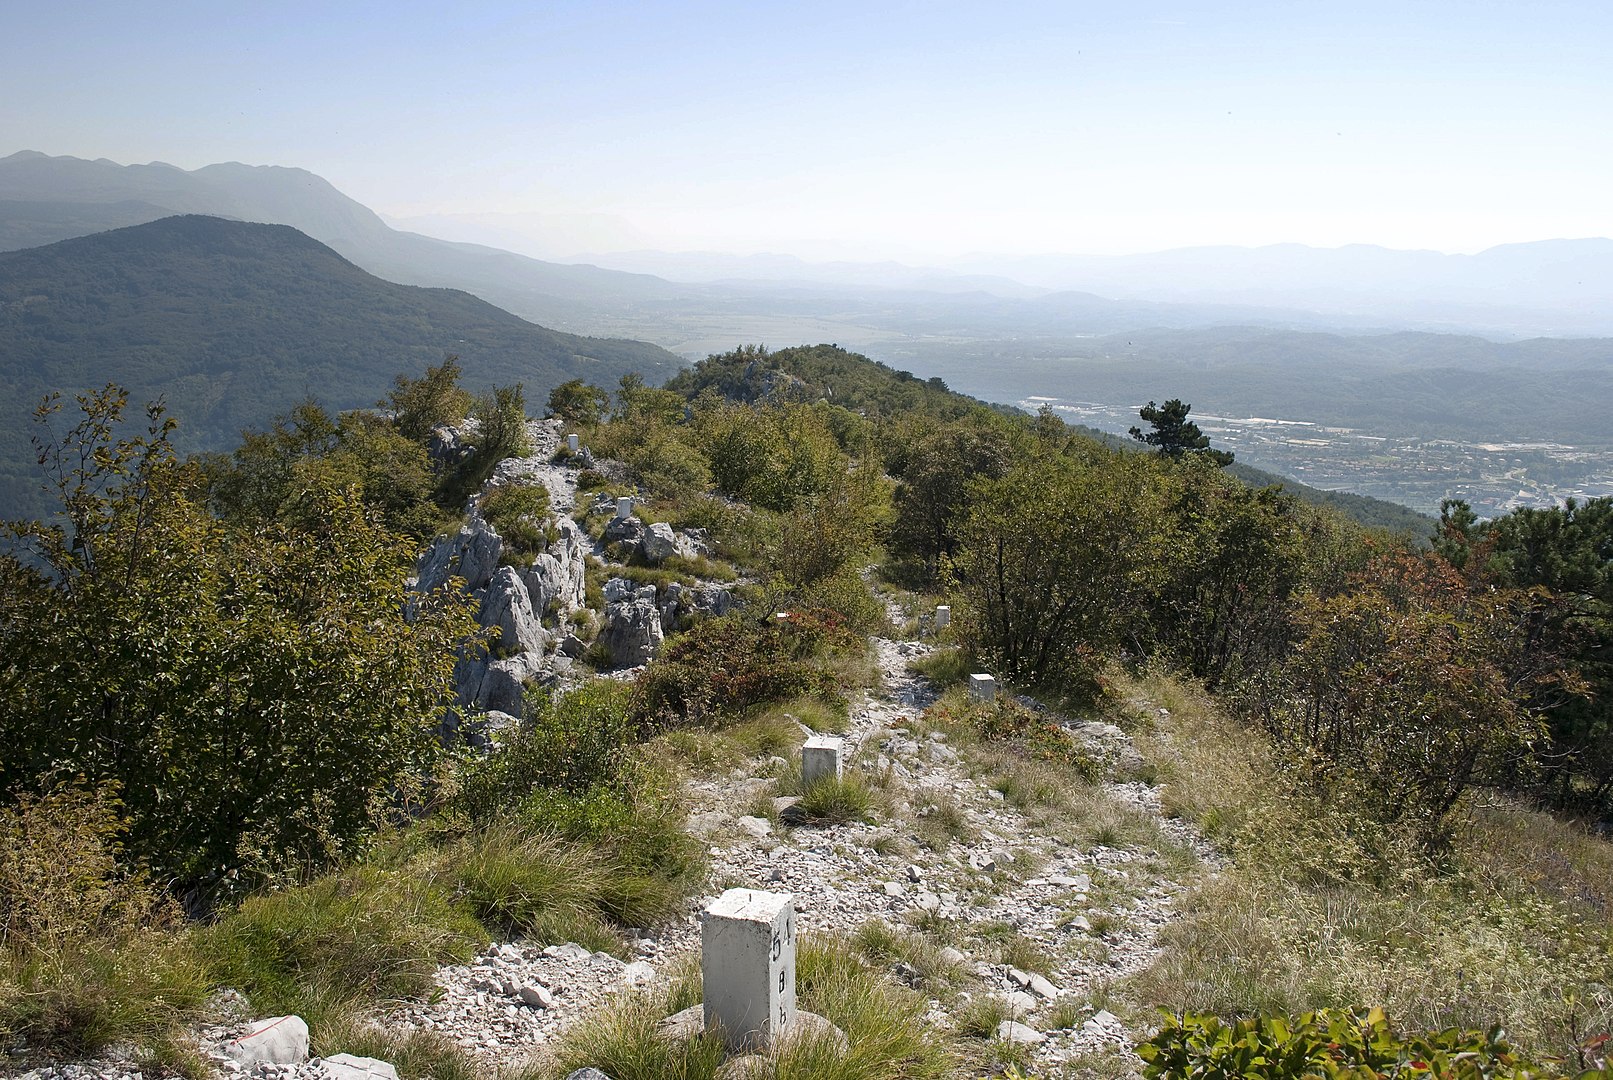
x,y
232,322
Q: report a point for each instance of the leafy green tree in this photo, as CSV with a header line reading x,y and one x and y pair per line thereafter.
x,y
255,692
578,402
637,403
1174,435
420,406
501,433
278,473
1224,607
1565,555
1056,561
772,455
931,498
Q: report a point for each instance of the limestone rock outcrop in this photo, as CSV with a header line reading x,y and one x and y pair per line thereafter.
x,y
632,630
472,554
557,576
700,601
658,544
508,608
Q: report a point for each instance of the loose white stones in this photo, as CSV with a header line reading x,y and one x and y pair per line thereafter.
x,y
572,443
943,617
820,758
747,966
982,688
624,507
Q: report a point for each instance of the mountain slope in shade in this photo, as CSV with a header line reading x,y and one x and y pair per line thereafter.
x,y
231,323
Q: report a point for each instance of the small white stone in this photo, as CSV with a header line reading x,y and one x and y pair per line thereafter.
x,y
757,827
536,996
1011,1031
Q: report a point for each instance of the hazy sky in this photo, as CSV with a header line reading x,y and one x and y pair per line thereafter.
x,y
865,129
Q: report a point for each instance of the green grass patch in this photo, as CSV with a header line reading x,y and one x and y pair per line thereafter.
x,y
890,1038
366,932
945,668
838,800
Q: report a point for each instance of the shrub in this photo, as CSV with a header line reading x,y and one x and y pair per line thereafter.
x,y
257,694
569,744
516,511
89,955
727,666
1330,1043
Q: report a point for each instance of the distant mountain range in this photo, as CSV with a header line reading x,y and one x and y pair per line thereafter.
x,y
1549,288
232,322
1544,288
44,199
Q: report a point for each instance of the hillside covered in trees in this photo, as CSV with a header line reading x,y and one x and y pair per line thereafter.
x,y
230,323
1328,796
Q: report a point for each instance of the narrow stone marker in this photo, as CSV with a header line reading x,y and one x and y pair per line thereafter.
x,y
982,688
572,443
820,757
943,617
747,966
624,506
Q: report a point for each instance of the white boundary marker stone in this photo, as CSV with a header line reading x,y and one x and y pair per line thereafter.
x,y
624,506
572,443
820,757
982,688
747,966
943,617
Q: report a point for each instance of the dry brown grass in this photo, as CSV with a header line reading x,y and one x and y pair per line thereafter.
x,y
1318,908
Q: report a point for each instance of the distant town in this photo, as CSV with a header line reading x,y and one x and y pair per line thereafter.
x,y
1493,477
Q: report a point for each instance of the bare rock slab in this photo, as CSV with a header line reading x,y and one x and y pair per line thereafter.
x,y
1011,1031
348,1067
278,1040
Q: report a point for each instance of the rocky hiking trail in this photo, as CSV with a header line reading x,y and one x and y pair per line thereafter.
x,y
1098,911
993,884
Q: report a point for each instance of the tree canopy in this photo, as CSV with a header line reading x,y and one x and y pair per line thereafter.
x,y
1174,435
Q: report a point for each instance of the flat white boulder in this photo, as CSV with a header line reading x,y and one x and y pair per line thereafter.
x,y
1011,1031
348,1067
278,1040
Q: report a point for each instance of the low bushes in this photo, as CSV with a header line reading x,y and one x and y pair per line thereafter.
x,y
1322,907
1336,1044
89,955
725,667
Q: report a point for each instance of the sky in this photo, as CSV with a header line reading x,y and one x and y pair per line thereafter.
x,y
914,131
